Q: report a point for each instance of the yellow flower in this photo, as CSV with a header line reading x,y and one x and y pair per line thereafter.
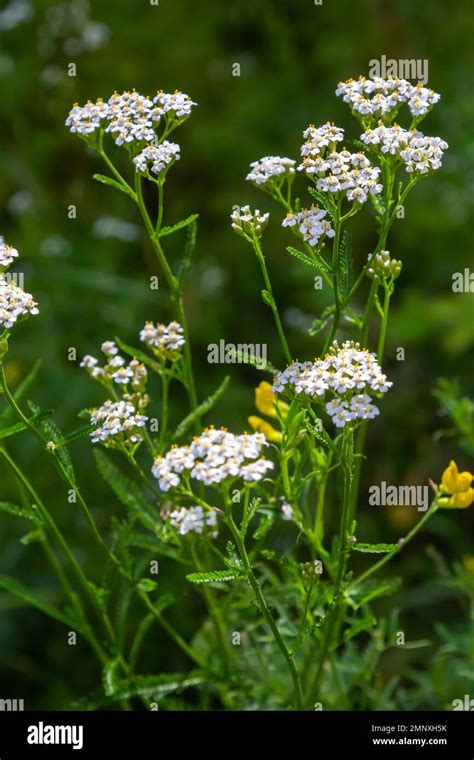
x,y
266,400
454,481
458,484
261,426
462,500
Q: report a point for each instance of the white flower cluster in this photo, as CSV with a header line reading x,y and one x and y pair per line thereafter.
x,y
134,373
129,116
320,138
194,520
212,457
382,266
247,222
270,168
378,96
118,422
157,158
15,303
311,224
7,255
176,105
163,339
344,171
420,154
349,373
358,408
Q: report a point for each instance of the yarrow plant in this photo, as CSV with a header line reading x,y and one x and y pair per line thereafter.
x,y
214,502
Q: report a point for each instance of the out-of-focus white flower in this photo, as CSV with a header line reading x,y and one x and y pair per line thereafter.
x,y
7,255
212,457
194,520
166,340
247,223
15,303
270,168
118,423
157,159
109,348
343,380
310,224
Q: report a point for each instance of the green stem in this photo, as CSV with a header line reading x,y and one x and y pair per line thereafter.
x,y
59,537
383,327
333,614
335,280
62,469
261,258
216,617
264,607
175,292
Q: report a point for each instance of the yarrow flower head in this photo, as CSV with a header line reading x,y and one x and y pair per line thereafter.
x,y
131,377
212,457
383,267
378,97
15,303
165,341
343,172
128,116
420,154
320,138
157,159
194,520
174,105
310,224
344,380
249,223
7,255
270,170
118,423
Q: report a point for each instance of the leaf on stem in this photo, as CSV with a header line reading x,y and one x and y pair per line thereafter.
x,y
268,299
375,548
178,226
200,410
125,489
22,388
112,183
325,200
345,265
136,353
17,589
54,434
189,249
307,260
213,576
16,511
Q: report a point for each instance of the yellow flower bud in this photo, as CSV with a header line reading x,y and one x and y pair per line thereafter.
x,y
266,400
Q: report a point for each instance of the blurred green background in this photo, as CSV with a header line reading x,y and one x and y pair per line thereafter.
x,y
90,274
